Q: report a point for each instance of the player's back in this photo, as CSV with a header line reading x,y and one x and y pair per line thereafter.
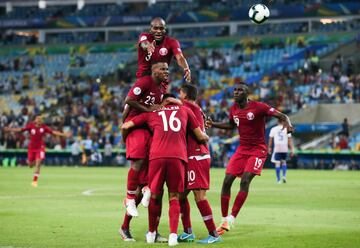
x,y
169,125
195,148
280,136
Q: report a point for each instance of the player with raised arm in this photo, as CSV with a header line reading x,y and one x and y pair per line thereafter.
x,y
197,173
144,96
249,118
156,46
169,125
282,142
36,149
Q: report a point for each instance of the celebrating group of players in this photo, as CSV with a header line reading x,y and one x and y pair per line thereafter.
x,y
166,143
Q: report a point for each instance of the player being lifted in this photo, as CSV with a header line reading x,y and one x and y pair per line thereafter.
x,y
167,157
156,46
198,174
247,162
36,149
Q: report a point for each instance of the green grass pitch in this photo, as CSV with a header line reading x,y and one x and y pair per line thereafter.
x,y
82,207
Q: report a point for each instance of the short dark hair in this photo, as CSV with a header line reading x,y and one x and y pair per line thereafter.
x,y
167,95
191,91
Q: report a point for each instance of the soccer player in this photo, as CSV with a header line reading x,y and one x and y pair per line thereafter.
x,y
247,162
282,142
145,96
36,149
156,46
198,174
167,157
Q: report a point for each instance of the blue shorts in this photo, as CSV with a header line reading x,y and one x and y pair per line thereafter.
x,y
280,156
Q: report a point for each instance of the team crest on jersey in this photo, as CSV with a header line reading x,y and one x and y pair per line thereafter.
x,y
250,116
142,38
33,131
163,51
137,91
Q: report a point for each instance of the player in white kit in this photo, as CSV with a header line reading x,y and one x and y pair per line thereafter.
x,y
282,142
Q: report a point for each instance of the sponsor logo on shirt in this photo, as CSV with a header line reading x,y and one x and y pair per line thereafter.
x,y
142,38
272,110
250,116
179,49
163,51
41,130
137,91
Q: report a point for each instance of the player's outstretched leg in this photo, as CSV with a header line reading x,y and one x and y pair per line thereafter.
x,y
206,213
36,173
277,170
241,196
132,185
225,200
124,230
284,169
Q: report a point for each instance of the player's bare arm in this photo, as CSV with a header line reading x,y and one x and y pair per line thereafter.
x,y
200,135
13,129
291,146
61,134
172,100
270,145
125,129
286,121
222,125
125,112
183,64
136,105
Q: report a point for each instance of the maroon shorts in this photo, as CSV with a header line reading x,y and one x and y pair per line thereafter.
x,y
36,154
198,173
169,170
240,163
137,144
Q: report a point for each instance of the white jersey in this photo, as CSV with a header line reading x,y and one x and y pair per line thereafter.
x,y
281,138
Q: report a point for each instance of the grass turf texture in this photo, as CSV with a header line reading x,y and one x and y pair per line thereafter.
x,y
314,209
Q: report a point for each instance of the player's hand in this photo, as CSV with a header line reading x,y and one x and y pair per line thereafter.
x,y
151,47
289,127
171,100
155,107
187,75
208,123
269,151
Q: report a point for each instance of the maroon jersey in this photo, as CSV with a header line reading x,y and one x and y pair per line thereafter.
x,y
36,135
146,92
168,125
250,123
168,48
194,148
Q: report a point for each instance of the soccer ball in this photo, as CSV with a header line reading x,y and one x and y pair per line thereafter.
x,y
259,13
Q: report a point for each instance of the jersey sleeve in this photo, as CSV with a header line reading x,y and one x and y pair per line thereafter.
x,y
175,47
138,89
267,110
26,128
48,129
142,38
140,119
